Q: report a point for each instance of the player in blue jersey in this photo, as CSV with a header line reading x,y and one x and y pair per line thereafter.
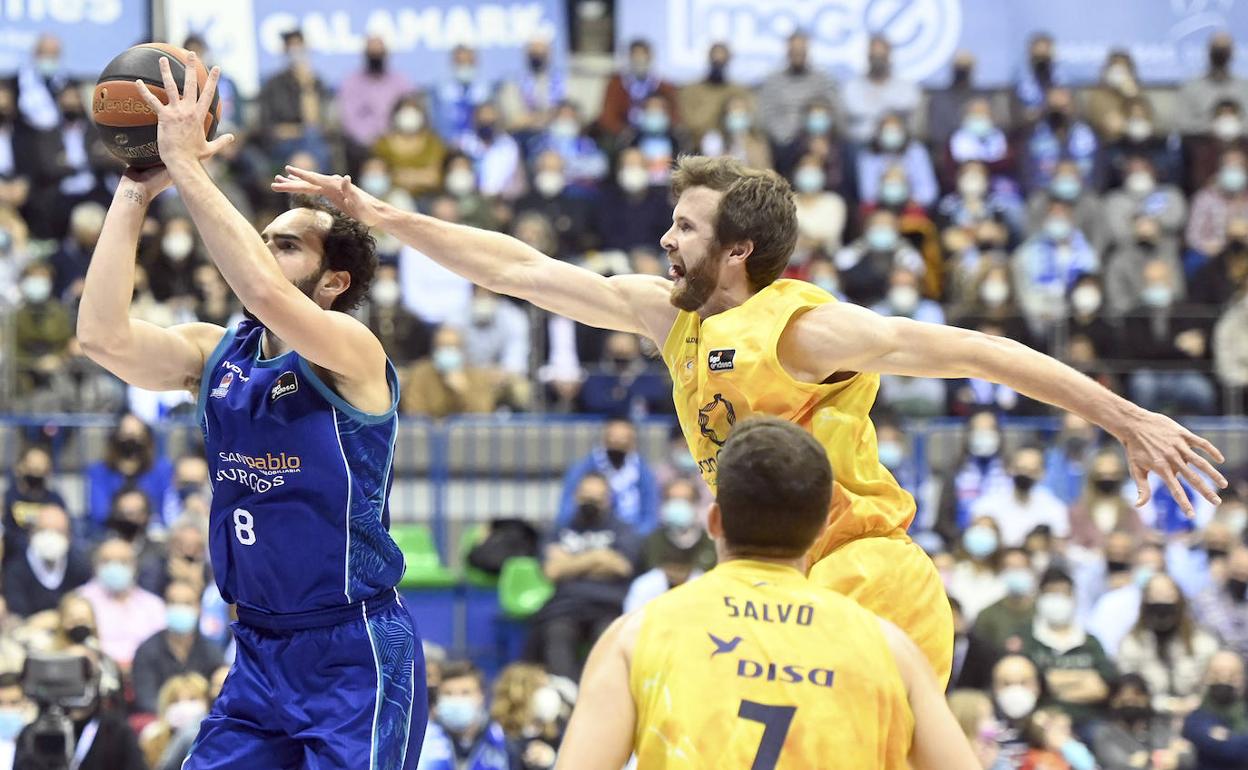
x,y
297,406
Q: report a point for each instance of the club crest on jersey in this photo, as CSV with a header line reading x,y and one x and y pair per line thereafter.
x,y
720,360
286,384
716,419
223,387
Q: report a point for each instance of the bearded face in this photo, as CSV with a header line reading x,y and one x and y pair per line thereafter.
x,y
695,286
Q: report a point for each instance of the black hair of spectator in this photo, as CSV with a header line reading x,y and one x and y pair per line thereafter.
x,y
1013,549
463,669
10,679
1227,104
290,37
450,158
1040,36
349,246
775,487
639,44
112,452
670,553
1128,681
130,489
194,39
1055,575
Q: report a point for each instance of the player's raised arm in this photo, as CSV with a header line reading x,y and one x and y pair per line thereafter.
x,y
138,352
840,337
630,303
600,733
334,341
938,742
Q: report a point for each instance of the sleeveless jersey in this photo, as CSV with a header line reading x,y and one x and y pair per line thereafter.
x,y
751,665
724,368
300,482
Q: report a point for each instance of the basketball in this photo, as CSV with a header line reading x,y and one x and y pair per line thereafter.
x,y
127,125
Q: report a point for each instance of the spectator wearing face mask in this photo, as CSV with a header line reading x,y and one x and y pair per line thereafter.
x,y
411,148
1230,351
1173,339
495,155
624,382
1217,282
1061,135
701,102
183,704
878,92
584,163
1025,503
1142,195
975,580
294,106
47,568
126,615
177,650
629,90
1141,137
1106,103
1102,508
1016,689
977,200
990,299
1219,728
41,331
130,459
1199,559
820,136
865,264
890,144
784,95
1109,585
947,106
973,657
1135,736
896,194
16,711
591,560
1198,96
171,269
1067,187
532,708
977,138
680,529
973,711
1066,459
461,735
459,96
1005,622
529,102
495,334
631,212
657,137
1072,663
1167,649
1124,269
30,488
366,99
1048,264
912,396
445,383
569,212
130,519
674,568
737,135
1086,323
404,336
979,468
1037,78
1203,152
1222,607
1052,745
821,213
1223,200
186,557
634,490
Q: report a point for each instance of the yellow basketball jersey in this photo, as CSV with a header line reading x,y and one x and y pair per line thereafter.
x,y
725,368
752,666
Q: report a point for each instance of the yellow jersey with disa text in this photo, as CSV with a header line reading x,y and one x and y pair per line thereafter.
x,y
751,665
724,368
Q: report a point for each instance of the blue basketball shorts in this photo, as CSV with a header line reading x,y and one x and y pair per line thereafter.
x,y
329,693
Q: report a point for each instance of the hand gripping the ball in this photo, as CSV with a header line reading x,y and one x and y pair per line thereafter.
x,y
180,123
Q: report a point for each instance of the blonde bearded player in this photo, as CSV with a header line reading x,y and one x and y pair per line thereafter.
x,y
738,341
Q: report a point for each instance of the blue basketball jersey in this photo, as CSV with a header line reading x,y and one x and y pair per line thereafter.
x,y
300,482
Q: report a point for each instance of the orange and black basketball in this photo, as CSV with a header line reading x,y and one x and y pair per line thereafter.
x,y
127,125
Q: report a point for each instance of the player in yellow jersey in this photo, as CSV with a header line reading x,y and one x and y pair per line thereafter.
x,y
739,341
753,666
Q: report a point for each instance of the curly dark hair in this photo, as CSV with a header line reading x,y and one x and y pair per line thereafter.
x,y
349,246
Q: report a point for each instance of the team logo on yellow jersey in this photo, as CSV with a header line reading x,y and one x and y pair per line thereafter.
x,y
716,419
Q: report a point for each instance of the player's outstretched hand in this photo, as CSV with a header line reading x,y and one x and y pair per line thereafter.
x,y
336,189
1159,444
180,122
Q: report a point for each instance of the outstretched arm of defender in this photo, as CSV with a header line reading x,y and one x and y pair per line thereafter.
x,y
938,742
630,303
334,341
138,352
840,337
600,733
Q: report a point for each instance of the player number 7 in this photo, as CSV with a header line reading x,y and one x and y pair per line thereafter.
x,y
776,721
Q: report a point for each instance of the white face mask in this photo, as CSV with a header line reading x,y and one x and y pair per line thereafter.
x,y
1227,127
972,185
1016,701
461,182
546,705
385,293
1056,609
994,293
49,545
409,120
36,288
1140,183
633,179
185,713
904,299
548,183
177,246
1086,299
1138,129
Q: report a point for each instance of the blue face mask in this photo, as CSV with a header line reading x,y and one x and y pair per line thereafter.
x,y
181,618
1232,178
654,122
891,454
894,193
979,541
457,713
1019,582
882,238
818,123
678,513
1066,188
737,122
1057,228
11,724
116,576
978,125
448,359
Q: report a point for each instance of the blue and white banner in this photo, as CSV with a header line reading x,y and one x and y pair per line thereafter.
x,y
245,36
91,32
1167,38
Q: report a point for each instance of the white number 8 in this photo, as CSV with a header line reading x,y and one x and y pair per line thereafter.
x,y
243,527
